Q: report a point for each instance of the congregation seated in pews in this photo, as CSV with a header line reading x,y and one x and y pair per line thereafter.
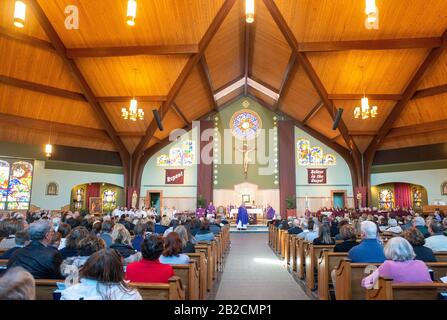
x,y
109,258
331,257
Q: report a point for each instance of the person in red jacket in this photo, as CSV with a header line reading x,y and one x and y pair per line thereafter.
x,y
149,269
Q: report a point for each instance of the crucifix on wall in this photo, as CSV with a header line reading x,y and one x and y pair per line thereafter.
x,y
246,159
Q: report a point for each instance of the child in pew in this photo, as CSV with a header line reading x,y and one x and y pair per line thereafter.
x,y
102,278
400,265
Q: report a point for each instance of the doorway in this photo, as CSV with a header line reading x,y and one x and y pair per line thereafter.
x,y
154,200
338,199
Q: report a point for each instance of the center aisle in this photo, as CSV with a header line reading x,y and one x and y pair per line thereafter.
x,y
253,272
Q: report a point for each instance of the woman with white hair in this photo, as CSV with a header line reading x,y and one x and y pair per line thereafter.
x,y
400,264
393,227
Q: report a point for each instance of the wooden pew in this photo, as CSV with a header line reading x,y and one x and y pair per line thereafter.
x,y
405,291
293,252
441,256
312,253
206,248
160,291
3,263
326,263
278,240
2,251
45,288
439,269
299,245
189,275
199,257
290,248
348,279
284,240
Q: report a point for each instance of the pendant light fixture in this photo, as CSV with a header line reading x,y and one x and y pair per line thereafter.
x,y
49,146
250,11
372,15
19,14
133,113
131,12
365,111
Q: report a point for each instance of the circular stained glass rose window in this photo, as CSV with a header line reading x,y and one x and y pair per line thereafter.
x,y
245,124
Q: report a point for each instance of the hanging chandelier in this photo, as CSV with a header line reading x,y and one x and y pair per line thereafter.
x,y
372,15
365,111
250,11
131,12
19,14
133,113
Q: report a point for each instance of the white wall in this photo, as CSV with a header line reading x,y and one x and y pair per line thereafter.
x,y
431,180
66,180
338,178
183,197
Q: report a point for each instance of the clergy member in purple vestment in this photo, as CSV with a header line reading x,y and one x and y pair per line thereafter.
x,y
200,212
210,209
270,212
242,217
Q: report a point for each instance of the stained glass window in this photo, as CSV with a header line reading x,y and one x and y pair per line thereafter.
x,y
312,155
181,155
417,198
303,146
245,124
19,187
386,199
109,200
4,178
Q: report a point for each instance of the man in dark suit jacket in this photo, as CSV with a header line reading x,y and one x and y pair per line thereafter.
x,y
295,227
37,258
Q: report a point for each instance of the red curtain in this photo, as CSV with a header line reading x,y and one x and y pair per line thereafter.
x,y
93,190
402,195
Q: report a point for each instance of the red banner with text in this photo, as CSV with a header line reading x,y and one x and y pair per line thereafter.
x,y
175,176
316,176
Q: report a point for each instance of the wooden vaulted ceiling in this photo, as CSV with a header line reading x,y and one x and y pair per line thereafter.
x,y
310,52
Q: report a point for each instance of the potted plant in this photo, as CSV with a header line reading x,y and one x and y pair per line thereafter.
x,y
291,206
201,202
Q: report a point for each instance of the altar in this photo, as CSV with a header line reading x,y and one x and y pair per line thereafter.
x,y
254,215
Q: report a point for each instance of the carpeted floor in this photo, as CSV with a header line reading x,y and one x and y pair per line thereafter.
x,y
252,271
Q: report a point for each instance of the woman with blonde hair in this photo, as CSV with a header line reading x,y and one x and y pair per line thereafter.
x,y
17,284
121,241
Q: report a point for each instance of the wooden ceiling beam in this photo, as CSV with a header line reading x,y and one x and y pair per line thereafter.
x,y
383,44
409,92
290,69
190,65
29,40
246,62
313,112
179,113
308,68
54,127
206,75
181,49
87,91
359,96
128,98
363,133
420,128
41,88
429,92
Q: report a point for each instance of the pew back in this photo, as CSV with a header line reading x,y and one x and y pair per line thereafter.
x,y
199,257
312,253
405,291
326,263
156,291
45,288
189,275
441,256
348,279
